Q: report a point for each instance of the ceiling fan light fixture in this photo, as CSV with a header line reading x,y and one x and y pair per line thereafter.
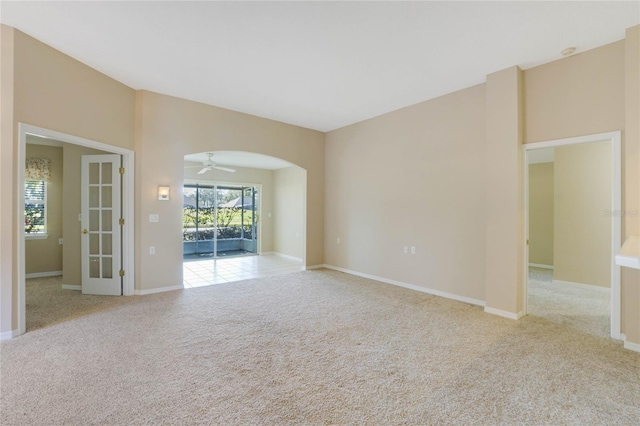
x,y
210,165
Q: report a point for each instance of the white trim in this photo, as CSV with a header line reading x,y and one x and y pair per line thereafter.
x,y
312,267
43,274
285,256
405,285
9,334
158,290
37,236
189,181
128,230
616,205
628,261
629,345
504,314
628,255
128,234
71,287
583,286
541,266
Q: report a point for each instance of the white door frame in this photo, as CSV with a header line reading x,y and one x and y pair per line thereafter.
x,y
616,208
128,234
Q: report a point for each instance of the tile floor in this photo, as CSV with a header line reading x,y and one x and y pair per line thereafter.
x,y
198,273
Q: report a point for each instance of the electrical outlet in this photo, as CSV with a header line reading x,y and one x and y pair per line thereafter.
x,y
338,240
413,250
406,249
297,235
60,241
154,218
152,250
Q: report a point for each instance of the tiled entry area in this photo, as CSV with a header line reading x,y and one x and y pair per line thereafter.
x,y
198,273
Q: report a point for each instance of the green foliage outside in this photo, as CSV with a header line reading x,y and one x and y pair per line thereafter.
x,y
33,210
33,218
231,223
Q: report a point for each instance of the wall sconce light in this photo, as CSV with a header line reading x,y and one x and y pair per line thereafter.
x,y
163,193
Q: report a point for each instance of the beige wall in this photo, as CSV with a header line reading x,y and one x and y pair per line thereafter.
x,y
541,214
242,176
288,211
412,177
579,95
71,257
582,229
53,91
504,191
45,255
167,129
594,92
8,236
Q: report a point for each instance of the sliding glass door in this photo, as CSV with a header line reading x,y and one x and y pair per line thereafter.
x,y
220,221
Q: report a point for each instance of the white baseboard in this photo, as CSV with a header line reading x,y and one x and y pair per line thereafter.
x,y
158,290
285,256
505,314
43,274
584,286
630,345
71,287
312,267
9,334
405,285
538,265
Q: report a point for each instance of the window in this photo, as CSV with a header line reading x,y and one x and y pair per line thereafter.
x,y
35,207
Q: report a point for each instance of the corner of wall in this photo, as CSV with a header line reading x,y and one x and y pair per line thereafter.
x,y
8,132
504,208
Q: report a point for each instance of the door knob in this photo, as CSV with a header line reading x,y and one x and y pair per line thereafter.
x,y
84,231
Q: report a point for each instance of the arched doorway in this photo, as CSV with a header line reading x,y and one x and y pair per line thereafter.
x,y
243,217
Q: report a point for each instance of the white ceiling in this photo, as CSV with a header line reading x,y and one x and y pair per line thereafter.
x,y
240,159
320,65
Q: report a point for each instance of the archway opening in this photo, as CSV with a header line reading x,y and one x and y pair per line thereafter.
x,y
243,217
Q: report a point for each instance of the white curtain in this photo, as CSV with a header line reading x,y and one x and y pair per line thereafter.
x,y
38,169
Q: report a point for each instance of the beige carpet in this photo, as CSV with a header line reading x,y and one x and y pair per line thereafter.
x,y
315,347
583,309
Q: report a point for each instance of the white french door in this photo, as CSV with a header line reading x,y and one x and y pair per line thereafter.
x,y
101,213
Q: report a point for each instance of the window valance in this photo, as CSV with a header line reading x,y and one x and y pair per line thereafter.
x,y
38,169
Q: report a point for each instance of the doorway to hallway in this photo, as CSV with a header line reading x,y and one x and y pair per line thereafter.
x,y
220,221
572,232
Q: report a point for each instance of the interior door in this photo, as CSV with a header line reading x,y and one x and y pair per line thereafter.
x,y
101,211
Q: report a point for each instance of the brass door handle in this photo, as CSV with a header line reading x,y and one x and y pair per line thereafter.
x,y
84,231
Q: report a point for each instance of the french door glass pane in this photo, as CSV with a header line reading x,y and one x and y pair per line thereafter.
x,y
100,220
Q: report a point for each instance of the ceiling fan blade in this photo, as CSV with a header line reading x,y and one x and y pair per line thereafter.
x,y
204,170
225,169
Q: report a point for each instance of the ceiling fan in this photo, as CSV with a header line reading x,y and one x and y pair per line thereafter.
x,y
210,165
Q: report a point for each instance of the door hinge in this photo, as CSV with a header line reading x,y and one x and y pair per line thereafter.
x,y
122,272
527,242
121,170
121,221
